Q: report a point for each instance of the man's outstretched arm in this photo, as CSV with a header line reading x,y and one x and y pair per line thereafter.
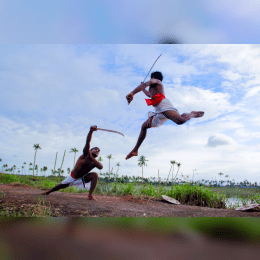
x,y
147,93
87,146
130,96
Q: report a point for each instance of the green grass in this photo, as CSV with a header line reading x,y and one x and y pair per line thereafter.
x,y
39,209
186,194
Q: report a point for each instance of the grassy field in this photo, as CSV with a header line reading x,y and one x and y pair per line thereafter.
x,y
214,197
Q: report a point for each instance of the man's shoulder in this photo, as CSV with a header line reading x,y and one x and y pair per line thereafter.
x,y
155,81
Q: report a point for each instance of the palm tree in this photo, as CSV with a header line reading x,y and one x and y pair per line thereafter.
x,y
29,167
109,157
62,162
220,175
179,165
226,176
36,147
14,167
74,150
118,165
172,166
100,160
36,168
68,170
193,174
22,169
45,168
142,163
55,162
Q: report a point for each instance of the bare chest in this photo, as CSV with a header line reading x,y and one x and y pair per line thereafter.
x,y
155,89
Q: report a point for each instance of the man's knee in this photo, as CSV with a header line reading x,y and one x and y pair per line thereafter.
x,y
180,121
145,125
94,175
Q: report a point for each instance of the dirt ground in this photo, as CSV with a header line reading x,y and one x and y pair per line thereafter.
x,y
72,204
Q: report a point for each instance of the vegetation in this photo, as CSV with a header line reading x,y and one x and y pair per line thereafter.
x,y
36,147
39,209
184,189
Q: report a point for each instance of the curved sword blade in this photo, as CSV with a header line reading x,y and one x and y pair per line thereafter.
x,y
109,131
151,68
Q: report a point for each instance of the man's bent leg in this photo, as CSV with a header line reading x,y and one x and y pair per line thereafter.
x,y
141,137
57,187
181,119
93,178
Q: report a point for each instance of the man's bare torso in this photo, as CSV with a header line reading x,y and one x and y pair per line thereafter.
x,y
156,88
83,166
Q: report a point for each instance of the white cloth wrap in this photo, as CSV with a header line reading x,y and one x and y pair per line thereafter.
x,y
76,183
157,118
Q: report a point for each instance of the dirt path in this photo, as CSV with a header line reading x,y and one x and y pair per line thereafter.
x,y
72,204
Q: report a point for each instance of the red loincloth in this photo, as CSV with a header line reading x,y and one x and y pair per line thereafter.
x,y
156,99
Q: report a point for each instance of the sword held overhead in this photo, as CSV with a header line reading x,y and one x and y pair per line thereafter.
x,y
109,131
151,68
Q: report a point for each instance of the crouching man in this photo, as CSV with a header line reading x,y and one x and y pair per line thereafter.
x,y
81,176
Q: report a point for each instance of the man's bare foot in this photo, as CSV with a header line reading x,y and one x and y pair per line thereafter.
x,y
196,114
45,193
131,154
90,197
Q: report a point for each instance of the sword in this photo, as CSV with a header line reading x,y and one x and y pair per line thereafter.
x,y
110,131
151,68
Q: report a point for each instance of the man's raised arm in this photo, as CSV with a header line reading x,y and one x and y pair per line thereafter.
x,y
87,146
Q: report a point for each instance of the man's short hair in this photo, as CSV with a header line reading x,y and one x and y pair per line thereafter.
x,y
95,148
157,75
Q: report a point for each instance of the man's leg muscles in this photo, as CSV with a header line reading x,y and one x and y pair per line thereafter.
x,y
141,137
57,187
181,119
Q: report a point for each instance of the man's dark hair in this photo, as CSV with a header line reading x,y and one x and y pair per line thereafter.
x,y
94,148
157,75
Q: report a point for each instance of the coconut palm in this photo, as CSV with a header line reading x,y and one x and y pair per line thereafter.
x,y
178,165
36,147
100,160
30,168
36,168
220,173
172,166
5,166
24,168
226,176
118,165
142,163
74,150
45,168
62,162
193,174
109,157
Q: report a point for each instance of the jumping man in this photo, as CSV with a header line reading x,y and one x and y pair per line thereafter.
x,y
164,110
81,176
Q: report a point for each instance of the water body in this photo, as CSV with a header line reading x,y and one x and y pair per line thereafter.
x,y
236,202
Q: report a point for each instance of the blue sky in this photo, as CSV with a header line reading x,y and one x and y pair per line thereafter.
x,y
52,94
116,21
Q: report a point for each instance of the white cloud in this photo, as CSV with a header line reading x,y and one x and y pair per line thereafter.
x,y
252,91
230,75
220,140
